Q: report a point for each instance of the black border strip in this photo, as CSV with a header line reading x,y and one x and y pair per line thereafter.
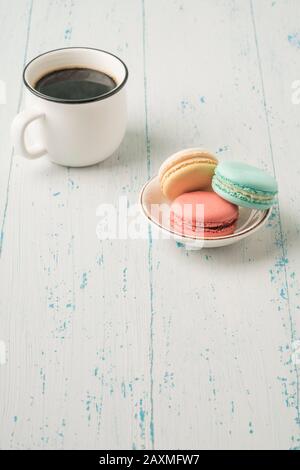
x,y
89,100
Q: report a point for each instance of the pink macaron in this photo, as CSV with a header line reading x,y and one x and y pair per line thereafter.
x,y
203,214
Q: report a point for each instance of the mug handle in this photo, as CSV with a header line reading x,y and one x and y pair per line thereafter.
x,y
18,128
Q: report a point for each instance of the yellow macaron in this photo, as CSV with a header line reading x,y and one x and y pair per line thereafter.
x,y
187,170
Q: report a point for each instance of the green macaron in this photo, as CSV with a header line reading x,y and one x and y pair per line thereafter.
x,y
244,185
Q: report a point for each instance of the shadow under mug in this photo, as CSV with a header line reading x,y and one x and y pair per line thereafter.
x,y
71,133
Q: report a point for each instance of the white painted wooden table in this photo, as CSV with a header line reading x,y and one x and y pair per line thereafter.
x,y
139,344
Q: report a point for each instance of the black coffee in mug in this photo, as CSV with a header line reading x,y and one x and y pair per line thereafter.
x,y
75,84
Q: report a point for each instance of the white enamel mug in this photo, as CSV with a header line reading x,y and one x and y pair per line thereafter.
x,y
71,133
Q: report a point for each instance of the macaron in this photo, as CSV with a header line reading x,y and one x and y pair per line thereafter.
x,y
185,171
244,185
201,214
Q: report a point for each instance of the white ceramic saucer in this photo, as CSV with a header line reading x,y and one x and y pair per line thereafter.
x,y
249,220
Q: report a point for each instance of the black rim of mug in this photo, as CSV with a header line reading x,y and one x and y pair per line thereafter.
x,y
88,100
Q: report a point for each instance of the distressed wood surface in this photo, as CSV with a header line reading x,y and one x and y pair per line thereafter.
x,y
138,343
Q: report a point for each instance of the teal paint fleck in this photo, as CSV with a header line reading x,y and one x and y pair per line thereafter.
x,y
295,443
222,149
179,245
294,40
43,378
100,260
68,33
288,397
152,431
68,29
142,419
202,99
72,185
124,287
56,194
84,281
1,240
184,104
283,294
282,261
251,430
169,379
15,419
142,412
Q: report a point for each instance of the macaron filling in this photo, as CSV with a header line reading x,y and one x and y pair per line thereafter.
x,y
211,164
203,214
242,192
201,229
